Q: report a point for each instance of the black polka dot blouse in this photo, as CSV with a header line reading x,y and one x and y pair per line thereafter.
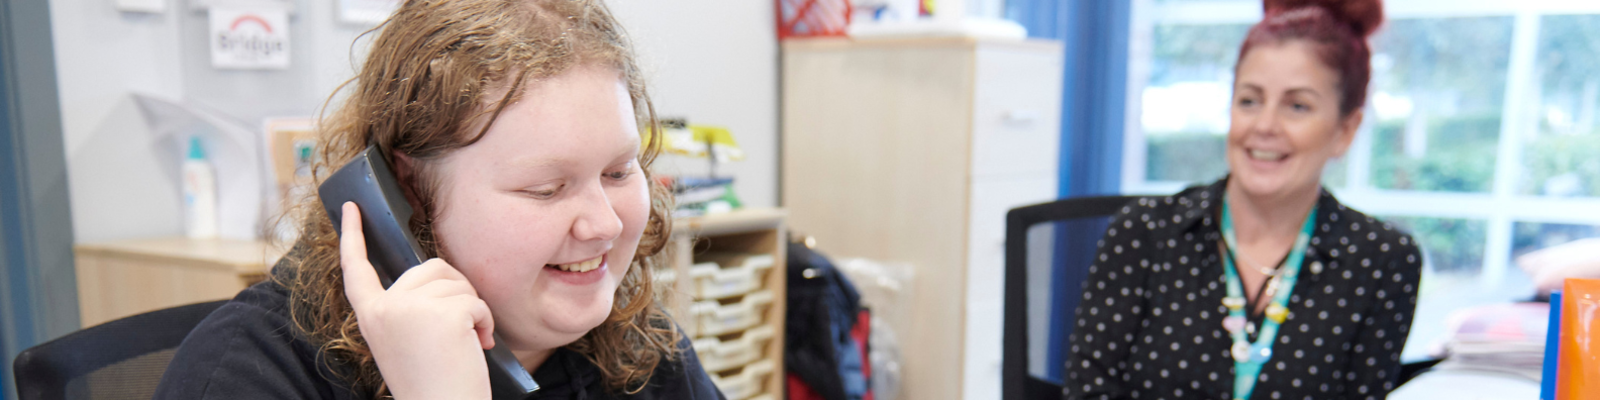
x,y
1150,323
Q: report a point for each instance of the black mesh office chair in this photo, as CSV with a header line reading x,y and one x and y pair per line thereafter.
x,y
121,359
1049,248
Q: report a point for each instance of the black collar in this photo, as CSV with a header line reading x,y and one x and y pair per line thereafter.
x,y
1202,203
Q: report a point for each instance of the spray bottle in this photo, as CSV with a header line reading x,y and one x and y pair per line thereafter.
x,y
199,193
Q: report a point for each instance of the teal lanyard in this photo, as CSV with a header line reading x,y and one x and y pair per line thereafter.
x,y
1249,357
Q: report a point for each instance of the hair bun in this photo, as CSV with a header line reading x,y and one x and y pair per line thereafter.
x,y
1363,16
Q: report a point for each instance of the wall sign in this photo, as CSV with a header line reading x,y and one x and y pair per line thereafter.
x,y
245,38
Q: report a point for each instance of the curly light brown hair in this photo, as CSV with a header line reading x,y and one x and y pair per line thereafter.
x,y
439,73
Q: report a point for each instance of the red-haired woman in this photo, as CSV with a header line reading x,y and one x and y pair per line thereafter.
x,y
1261,285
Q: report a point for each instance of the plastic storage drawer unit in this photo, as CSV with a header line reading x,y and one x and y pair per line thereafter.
x,y
712,318
746,383
718,356
729,274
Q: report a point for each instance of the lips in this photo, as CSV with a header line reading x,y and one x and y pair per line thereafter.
x,y
581,266
581,273
1266,155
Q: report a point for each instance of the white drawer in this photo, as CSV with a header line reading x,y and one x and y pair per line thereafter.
x,y
747,383
717,355
728,274
1016,117
712,318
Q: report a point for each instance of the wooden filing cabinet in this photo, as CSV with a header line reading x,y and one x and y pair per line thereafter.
x,y
912,150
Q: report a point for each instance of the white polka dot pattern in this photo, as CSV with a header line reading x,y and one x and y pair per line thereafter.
x,y
1148,330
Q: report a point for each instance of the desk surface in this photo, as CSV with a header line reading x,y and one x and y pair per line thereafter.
x,y
255,256
243,256
1466,385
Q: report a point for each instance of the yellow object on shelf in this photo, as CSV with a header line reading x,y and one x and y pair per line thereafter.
x,y
693,140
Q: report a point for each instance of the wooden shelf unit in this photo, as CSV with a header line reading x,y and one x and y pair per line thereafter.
x,y
754,231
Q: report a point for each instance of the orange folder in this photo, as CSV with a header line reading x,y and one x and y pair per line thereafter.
x,y
1578,376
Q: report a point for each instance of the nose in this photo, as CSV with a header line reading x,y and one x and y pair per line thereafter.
x,y
1266,122
597,220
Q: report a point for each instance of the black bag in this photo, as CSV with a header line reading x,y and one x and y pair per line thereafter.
x,y
822,309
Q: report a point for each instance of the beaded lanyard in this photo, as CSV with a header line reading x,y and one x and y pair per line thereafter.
x,y
1250,357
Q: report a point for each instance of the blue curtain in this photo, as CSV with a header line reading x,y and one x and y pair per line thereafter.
x,y
14,283
1095,35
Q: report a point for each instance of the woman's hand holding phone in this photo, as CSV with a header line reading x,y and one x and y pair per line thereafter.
x,y
427,331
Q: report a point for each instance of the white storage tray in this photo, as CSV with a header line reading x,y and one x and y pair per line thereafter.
x,y
745,384
722,275
664,277
717,356
712,318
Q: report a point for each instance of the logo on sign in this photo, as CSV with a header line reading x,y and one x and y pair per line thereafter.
x,y
251,38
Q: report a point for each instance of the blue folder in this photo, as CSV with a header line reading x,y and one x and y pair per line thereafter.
x,y
1552,350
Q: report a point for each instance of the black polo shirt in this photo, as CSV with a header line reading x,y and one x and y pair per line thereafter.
x,y
249,349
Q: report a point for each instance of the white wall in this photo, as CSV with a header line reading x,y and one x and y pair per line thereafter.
x,y
101,56
713,62
123,179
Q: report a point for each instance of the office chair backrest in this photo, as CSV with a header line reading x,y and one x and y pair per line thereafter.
x,y
121,359
1049,248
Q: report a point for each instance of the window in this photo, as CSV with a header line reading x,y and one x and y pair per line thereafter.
x,y
1482,135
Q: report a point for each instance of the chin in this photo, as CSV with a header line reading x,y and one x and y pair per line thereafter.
x,y
575,320
1256,185
1272,186
553,331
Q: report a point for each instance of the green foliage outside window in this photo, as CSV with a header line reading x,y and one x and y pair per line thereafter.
x,y
1460,156
1453,73
1572,159
1186,157
1195,52
1452,245
1564,158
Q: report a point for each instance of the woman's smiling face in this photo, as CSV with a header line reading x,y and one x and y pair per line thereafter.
x,y
544,213
1286,123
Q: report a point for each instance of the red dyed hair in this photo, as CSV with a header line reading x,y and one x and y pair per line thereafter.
x,y
1337,31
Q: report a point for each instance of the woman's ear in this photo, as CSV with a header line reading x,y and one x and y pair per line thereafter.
x,y
405,173
1348,125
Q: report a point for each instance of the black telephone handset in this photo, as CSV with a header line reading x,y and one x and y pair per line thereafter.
x,y
367,181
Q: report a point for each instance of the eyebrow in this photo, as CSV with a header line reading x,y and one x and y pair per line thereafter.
x,y
1306,90
534,163
555,162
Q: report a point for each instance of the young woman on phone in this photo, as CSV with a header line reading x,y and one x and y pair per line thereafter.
x,y
514,130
